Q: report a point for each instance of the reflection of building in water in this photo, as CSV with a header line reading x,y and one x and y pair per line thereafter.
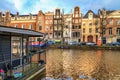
x,y
67,62
55,66
98,65
101,72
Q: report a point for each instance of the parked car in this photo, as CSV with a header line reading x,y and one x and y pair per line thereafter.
x,y
91,43
113,44
73,43
50,42
82,43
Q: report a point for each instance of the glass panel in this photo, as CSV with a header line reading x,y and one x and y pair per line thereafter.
x,y
15,47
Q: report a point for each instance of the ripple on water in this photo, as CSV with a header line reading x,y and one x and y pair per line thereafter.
x,y
88,65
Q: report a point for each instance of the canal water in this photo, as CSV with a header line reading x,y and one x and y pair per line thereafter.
x,y
82,64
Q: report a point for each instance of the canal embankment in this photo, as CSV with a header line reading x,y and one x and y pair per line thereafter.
x,y
84,47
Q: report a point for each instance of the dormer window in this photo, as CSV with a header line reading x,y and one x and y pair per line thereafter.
x,y
90,16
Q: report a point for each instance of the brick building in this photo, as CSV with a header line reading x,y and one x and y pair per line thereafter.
x,y
111,25
5,19
69,27
49,25
58,25
76,24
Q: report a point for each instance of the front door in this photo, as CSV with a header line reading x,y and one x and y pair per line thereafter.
x,y
90,38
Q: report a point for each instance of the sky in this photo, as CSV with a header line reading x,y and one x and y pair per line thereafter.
x,y
33,6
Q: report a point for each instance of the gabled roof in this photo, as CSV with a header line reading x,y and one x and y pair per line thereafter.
x,y
109,11
27,15
19,31
12,14
94,15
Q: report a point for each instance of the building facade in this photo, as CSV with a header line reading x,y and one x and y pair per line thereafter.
x,y
90,27
67,29
76,24
111,25
58,25
5,19
23,21
49,25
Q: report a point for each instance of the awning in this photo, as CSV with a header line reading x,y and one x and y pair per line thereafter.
x,y
18,31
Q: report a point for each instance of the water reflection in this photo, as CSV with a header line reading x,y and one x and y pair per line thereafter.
x,y
76,64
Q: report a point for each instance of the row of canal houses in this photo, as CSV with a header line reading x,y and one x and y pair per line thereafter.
x,y
69,27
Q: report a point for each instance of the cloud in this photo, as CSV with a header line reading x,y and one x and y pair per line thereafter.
x,y
6,5
33,6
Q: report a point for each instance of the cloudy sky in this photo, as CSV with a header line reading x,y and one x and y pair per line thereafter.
x,y
33,6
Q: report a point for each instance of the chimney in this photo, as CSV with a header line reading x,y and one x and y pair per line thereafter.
x,y
0,14
7,13
17,14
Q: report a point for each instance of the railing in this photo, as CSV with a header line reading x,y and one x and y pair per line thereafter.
x,y
30,72
25,68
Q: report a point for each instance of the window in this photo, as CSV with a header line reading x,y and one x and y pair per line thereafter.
x,y
110,31
72,27
73,21
76,34
46,22
90,15
51,22
83,30
59,21
104,22
76,27
96,38
16,26
66,33
90,30
83,24
76,12
55,21
76,15
83,38
30,26
51,28
103,31
46,28
22,25
90,24
118,22
40,27
40,18
96,30
79,27
76,21
73,34
50,35
110,21
118,31
96,23
66,26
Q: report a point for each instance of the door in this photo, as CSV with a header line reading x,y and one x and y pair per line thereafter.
x,y
90,38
